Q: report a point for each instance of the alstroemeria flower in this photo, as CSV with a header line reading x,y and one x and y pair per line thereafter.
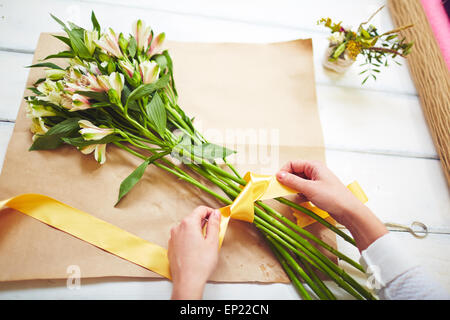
x,y
55,74
114,81
100,152
128,67
89,40
336,38
79,102
89,131
47,86
38,127
141,33
149,71
109,42
155,44
37,111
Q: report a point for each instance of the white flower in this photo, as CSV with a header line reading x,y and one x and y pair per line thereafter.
x,y
149,71
337,37
114,81
38,127
47,86
89,131
142,34
109,42
37,111
128,67
79,102
100,151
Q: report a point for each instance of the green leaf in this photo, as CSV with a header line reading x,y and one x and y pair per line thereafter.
x,y
45,64
146,89
161,60
132,46
170,66
59,21
76,37
101,104
100,96
53,138
63,39
213,151
62,54
78,45
136,175
39,81
34,90
79,142
95,23
365,79
156,112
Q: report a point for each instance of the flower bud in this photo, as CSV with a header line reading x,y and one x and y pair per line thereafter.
x,y
89,38
149,71
89,131
114,97
55,74
123,43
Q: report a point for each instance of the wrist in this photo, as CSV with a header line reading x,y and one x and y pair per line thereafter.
x,y
364,226
188,289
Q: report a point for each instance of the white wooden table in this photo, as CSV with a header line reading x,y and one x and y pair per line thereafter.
x,y
376,134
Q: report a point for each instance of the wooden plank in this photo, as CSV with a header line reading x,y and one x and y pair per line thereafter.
x,y
6,129
399,189
371,121
200,27
431,252
12,82
352,119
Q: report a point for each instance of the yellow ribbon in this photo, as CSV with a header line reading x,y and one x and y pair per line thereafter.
x,y
304,220
126,245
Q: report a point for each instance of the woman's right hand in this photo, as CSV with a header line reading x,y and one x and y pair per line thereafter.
x,y
316,183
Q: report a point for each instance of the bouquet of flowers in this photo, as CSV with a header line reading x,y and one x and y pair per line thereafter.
x,y
377,49
119,91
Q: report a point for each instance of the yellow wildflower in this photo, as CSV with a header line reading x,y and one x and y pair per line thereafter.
x,y
353,49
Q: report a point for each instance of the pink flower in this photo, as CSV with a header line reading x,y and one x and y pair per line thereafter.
x,y
128,67
109,42
141,33
79,102
155,44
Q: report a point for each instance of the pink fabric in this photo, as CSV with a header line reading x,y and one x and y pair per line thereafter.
x,y
440,23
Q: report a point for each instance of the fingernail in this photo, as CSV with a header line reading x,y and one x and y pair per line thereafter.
x,y
216,214
281,175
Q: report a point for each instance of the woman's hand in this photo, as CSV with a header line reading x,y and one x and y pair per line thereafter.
x,y
316,183
192,255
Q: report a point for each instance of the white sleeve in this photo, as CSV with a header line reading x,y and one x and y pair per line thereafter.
x,y
395,275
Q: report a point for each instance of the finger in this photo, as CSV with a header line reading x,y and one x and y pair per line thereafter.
x,y
303,168
295,182
200,215
212,230
295,166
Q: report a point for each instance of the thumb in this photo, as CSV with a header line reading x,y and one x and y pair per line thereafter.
x,y
212,229
294,182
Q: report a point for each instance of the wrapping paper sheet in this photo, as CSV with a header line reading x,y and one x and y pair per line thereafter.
x,y
226,87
